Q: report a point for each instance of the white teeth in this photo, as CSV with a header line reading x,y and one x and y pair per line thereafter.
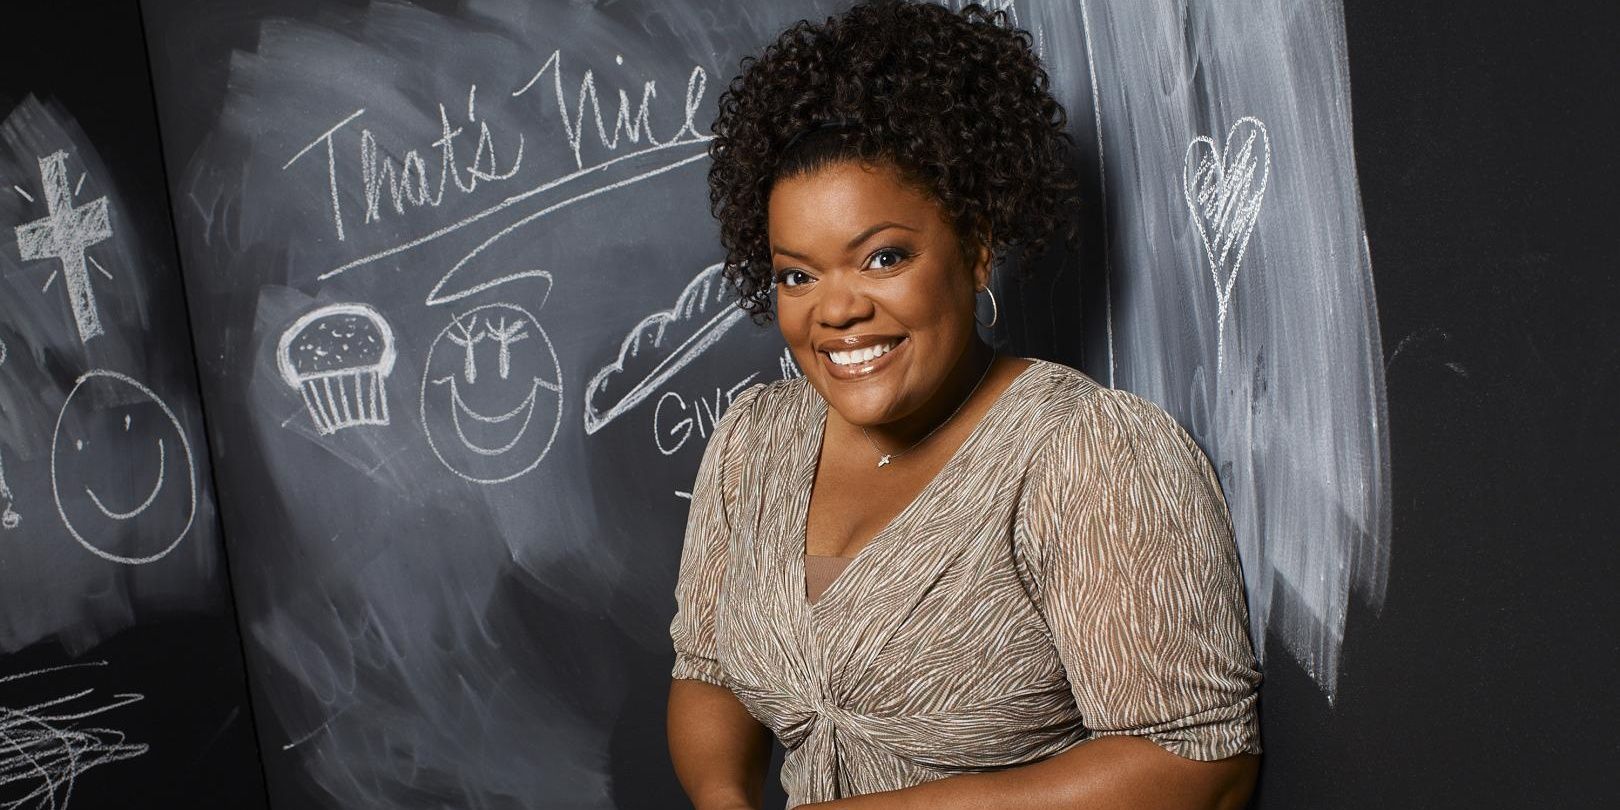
x,y
861,355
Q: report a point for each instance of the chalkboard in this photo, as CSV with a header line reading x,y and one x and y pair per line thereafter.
x,y
121,674
466,339
463,526
460,340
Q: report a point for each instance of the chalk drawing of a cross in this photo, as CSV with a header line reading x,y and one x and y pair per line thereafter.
x,y
64,234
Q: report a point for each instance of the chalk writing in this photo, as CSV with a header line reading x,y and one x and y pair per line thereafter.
x,y
636,127
674,418
409,180
409,183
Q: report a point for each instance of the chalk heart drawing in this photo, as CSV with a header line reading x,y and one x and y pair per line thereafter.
x,y
64,234
660,345
491,394
124,479
1224,186
338,357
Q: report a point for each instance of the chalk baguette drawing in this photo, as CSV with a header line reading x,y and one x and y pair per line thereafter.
x,y
660,345
45,747
64,234
78,414
1225,186
498,439
338,357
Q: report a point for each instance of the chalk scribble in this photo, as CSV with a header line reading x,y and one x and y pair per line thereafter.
x,y
45,747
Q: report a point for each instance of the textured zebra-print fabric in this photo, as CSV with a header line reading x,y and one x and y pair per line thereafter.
x,y
1069,573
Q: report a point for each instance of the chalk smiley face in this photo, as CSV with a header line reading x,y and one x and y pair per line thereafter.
x,y
491,398
122,472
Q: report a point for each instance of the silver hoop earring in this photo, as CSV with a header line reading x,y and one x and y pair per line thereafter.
x,y
995,311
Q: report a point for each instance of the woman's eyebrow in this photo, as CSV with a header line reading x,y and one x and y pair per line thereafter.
x,y
859,238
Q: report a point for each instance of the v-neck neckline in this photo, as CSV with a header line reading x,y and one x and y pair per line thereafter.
x,y
808,469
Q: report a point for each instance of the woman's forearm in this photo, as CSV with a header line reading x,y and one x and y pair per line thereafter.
x,y
719,750
1105,772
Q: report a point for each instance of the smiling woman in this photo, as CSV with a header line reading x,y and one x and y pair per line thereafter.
x,y
938,575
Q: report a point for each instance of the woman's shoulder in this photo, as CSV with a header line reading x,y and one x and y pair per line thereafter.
x,y
760,409
1080,411
1059,389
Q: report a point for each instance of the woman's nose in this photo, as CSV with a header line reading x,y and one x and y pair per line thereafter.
x,y
842,300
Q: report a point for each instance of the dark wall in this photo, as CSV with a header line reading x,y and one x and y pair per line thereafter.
x,y
1487,181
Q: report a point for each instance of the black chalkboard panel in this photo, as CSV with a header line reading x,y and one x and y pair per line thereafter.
x,y
466,340
121,674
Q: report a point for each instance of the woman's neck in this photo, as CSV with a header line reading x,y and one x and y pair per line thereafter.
x,y
969,377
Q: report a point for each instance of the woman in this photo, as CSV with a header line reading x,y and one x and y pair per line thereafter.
x,y
941,577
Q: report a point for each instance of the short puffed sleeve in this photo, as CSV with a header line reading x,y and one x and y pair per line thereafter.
x,y
703,555
1131,549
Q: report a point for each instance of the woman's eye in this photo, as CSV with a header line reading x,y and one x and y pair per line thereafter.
x,y
782,277
896,256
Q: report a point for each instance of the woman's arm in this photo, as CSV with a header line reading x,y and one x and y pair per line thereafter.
x,y
1118,771
720,751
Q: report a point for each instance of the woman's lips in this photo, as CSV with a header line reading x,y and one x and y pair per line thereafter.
x,y
861,371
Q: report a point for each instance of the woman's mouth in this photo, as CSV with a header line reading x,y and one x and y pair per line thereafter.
x,y
861,363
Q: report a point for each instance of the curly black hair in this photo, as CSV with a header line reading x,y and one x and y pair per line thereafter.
x,y
956,102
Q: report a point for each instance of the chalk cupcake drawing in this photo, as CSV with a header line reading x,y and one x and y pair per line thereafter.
x,y
100,466
65,233
338,357
1224,187
491,394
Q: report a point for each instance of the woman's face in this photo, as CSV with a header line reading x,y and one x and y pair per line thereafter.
x,y
861,257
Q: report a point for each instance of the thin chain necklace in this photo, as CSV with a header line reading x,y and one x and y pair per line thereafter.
x,y
887,456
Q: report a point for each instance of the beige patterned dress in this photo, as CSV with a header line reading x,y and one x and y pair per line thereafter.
x,y
1069,573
